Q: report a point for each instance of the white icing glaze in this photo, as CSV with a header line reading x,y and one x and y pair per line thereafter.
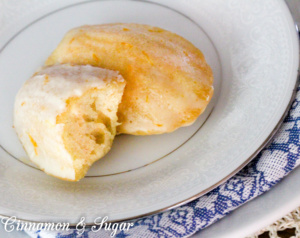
x,y
37,105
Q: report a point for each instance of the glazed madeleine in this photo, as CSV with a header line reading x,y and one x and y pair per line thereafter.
x,y
169,83
66,117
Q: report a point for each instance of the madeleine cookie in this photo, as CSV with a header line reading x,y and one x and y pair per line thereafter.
x,y
169,83
66,117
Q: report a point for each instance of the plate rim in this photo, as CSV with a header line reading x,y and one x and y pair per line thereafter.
x,y
205,191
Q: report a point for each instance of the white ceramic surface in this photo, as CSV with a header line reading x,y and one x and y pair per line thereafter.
x,y
252,48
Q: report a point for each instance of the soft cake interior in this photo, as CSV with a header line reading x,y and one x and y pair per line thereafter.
x,y
89,126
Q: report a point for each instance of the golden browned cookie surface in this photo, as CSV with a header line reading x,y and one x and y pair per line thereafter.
x,y
169,83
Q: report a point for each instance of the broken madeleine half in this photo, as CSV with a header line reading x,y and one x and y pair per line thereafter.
x,y
169,83
66,117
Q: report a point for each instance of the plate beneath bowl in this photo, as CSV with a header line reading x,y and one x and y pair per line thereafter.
x,y
253,50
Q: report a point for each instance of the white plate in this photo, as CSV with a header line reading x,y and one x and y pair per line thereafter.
x,y
252,49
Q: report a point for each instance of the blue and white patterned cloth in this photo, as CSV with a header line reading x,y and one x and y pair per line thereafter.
x,y
272,164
